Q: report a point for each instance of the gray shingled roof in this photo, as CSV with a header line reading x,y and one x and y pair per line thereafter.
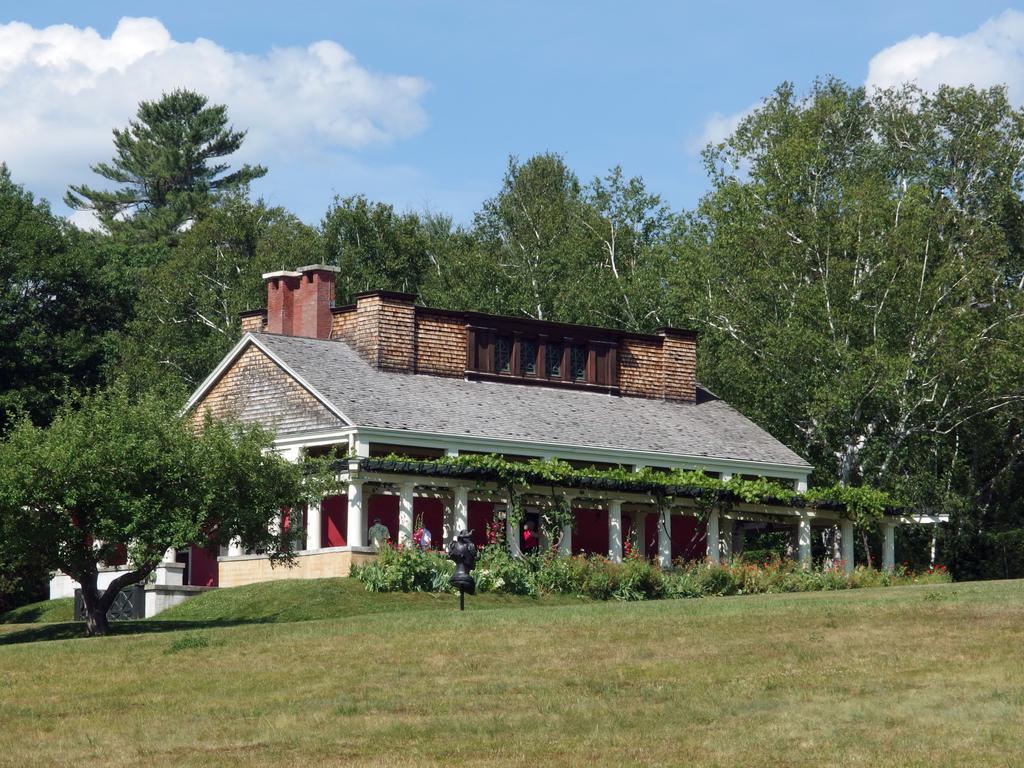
x,y
420,403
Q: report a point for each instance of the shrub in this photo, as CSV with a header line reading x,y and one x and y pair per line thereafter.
x,y
595,577
406,569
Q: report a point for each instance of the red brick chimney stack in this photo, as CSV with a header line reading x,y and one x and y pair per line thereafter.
x,y
314,300
281,288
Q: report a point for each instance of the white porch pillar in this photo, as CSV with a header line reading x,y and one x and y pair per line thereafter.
x,y
888,546
235,547
665,538
356,534
711,537
846,544
727,526
804,540
405,514
801,485
615,531
169,571
460,509
314,518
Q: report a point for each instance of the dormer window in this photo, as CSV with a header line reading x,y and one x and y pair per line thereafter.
x,y
554,352
528,357
538,352
503,354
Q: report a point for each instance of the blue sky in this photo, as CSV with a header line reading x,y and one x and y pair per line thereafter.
x,y
419,104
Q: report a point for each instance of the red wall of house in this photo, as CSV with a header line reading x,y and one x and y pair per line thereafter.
x,y
432,511
202,568
334,524
590,534
481,513
688,536
651,531
385,508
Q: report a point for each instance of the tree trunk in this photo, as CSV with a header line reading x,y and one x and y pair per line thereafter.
x,y
96,622
97,604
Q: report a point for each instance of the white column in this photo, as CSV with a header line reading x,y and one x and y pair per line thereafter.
x,y
725,477
170,556
665,538
356,535
888,546
235,547
639,532
314,519
803,540
726,526
615,531
711,537
932,550
451,451
460,509
801,485
846,544
405,515
360,447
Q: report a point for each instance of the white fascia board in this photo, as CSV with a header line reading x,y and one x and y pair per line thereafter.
x,y
236,351
580,453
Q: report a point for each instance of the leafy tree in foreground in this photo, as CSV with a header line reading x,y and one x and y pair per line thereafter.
x,y
168,163
117,473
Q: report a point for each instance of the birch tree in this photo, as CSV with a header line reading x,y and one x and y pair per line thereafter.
x,y
857,273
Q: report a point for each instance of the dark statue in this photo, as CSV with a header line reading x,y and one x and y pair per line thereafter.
x,y
463,553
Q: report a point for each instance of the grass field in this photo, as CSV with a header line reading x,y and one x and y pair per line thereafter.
x,y
904,676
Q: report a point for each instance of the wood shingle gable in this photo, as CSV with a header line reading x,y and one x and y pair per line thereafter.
x,y
255,387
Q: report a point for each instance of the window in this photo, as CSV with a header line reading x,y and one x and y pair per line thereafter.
x,y
578,363
503,354
553,363
539,352
528,357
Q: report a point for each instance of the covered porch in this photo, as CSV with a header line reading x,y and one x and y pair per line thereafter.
x,y
613,521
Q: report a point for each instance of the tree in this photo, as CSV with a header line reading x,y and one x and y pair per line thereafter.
x,y
63,301
375,247
856,273
117,471
166,160
559,250
186,312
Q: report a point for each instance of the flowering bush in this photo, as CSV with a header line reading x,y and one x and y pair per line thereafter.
x,y
597,578
406,569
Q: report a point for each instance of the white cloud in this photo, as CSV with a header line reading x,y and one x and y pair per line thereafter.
x,y
718,128
993,54
63,89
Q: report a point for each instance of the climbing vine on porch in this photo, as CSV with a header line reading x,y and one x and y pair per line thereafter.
x,y
863,505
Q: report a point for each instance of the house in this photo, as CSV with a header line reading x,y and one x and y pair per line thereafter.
x,y
386,377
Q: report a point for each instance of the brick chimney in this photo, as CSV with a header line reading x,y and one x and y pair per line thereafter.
x,y
314,300
281,288
299,303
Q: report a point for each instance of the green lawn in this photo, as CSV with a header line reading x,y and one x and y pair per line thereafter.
x,y
904,676
43,612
